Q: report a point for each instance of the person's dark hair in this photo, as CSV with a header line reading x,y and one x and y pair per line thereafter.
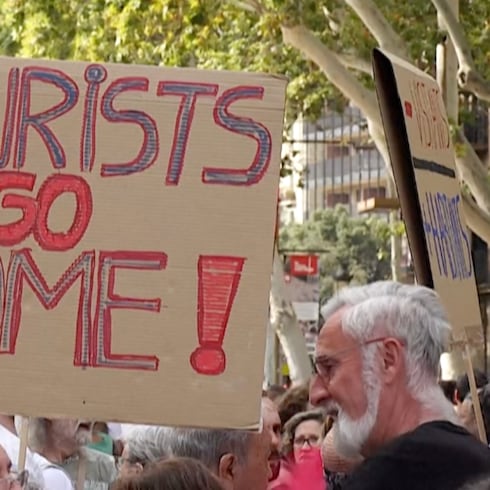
x,y
171,474
295,400
463,385
448,387
101,427
275,392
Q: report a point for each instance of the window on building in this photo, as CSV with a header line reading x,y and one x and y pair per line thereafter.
x,y
369,192
334,198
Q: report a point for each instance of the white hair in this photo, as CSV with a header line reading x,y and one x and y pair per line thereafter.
x,y
206,445
37,433
352,434
414,315
147,444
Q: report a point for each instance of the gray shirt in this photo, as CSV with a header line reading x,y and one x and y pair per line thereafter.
x,y
100,469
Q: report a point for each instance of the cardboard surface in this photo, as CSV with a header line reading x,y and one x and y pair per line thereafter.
x,y
136,237
422,156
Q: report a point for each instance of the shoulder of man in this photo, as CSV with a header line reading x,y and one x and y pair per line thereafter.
x,y
56,478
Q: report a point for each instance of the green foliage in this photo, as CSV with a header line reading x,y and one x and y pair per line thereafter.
x,y
359,247
224,34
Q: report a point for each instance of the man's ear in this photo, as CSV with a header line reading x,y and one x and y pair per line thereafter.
x,y
392,358
226,467
456,397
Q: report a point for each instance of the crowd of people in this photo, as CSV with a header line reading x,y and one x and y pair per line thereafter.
x,y
375,415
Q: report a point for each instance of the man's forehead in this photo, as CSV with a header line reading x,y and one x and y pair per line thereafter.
x,y
331,336
333,323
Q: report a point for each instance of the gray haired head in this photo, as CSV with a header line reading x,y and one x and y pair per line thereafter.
x,y
413,314
147,444
207,445
37,433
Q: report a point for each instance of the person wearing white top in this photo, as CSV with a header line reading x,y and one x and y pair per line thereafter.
x,y
11,444
41,471
55,478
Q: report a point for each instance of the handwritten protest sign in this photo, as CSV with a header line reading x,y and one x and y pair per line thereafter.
x,y
422,156
136,231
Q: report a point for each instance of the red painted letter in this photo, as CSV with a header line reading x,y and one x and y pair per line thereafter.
x,y
17,231
23,268
53,187
102,355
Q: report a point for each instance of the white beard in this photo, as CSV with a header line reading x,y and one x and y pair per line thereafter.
x,y
350,435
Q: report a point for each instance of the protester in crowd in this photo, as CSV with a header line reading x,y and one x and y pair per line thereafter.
x,y
272,425
62,442
302,432
172,474
10,480
377,366
115,431
462,388
240,459
101,440
295,400
144,445
11,444
467,411
301,465
448,387
275,392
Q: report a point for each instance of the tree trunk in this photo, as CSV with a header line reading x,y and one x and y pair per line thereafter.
x,y
469,78
284,322
470,169
270,368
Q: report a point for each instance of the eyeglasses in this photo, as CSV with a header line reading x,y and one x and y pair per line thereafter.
x,y
129,462
325,365
311,441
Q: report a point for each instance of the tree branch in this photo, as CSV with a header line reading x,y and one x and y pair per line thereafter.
x,y
306,42
472,170
468,77
254,6
477,220
283,321
379,27
355,63
469,166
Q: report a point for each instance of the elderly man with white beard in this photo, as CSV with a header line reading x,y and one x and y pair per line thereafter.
x,y
62,443
377,361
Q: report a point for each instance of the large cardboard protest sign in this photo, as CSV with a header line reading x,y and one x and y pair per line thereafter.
x,y
418,136
136,234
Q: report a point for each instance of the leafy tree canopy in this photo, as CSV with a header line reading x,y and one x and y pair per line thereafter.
x,y
355,247
236,35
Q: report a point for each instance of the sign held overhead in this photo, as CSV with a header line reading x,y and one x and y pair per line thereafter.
x,y
422,157
137,218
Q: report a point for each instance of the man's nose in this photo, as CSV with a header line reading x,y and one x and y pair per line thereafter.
x,y
319,394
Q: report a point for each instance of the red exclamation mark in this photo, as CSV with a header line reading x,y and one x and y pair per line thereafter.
x,y
218,279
